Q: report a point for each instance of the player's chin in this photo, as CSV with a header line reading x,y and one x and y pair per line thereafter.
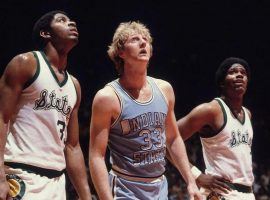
x,y
74,40
240,90
144,59
74,37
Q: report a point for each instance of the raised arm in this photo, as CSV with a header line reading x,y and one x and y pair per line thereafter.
x,y
105,106
18,71
175,144
73,153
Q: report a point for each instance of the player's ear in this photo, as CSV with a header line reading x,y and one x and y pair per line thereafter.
x,y
45,34
121,54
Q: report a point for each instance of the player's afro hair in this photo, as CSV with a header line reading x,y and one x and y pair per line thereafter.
x,y
225,65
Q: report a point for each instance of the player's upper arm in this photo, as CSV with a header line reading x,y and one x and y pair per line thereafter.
x,y
200,116
78,91
18,71
105,107
73,125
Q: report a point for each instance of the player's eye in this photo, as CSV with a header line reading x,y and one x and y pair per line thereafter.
x,y
61,19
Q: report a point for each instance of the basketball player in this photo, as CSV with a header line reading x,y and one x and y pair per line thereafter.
x,y
226,135
39,136
134,116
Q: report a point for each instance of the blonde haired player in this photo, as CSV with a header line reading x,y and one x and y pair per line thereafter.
x,y
134,117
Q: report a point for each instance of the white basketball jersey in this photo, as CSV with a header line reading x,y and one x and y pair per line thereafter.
x,y
38,129
228,154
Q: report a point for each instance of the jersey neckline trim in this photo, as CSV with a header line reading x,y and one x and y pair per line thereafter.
x,y
242,122
132,98
61,84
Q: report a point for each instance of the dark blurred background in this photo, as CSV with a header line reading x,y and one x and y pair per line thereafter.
x,y
191,38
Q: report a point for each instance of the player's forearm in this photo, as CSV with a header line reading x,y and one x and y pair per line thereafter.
x,y
99,175
2,171
3,139
77,172
178,153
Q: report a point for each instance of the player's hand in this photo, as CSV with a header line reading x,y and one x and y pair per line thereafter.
x,y
4,189
213,183
194,193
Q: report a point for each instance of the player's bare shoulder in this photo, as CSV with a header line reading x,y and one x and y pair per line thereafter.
x,y
214,114
206,113
21,68
166,89
162,84
23,62
107,99
210,109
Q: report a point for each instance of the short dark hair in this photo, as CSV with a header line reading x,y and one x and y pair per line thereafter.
x,y
225,65
43,23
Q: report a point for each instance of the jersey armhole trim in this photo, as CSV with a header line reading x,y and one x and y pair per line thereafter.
x,y
224,121
31,80
160,91
224,115
121,105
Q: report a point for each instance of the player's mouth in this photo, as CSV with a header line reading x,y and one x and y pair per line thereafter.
x,y
74,31
143,52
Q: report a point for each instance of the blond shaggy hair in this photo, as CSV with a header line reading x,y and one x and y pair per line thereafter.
x,y
123,31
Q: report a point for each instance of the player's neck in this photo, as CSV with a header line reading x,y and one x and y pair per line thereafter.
x,y
134,81
133,77
235,104
57,59
138,87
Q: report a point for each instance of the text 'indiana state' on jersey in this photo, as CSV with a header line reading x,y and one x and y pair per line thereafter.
x,y
137,140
